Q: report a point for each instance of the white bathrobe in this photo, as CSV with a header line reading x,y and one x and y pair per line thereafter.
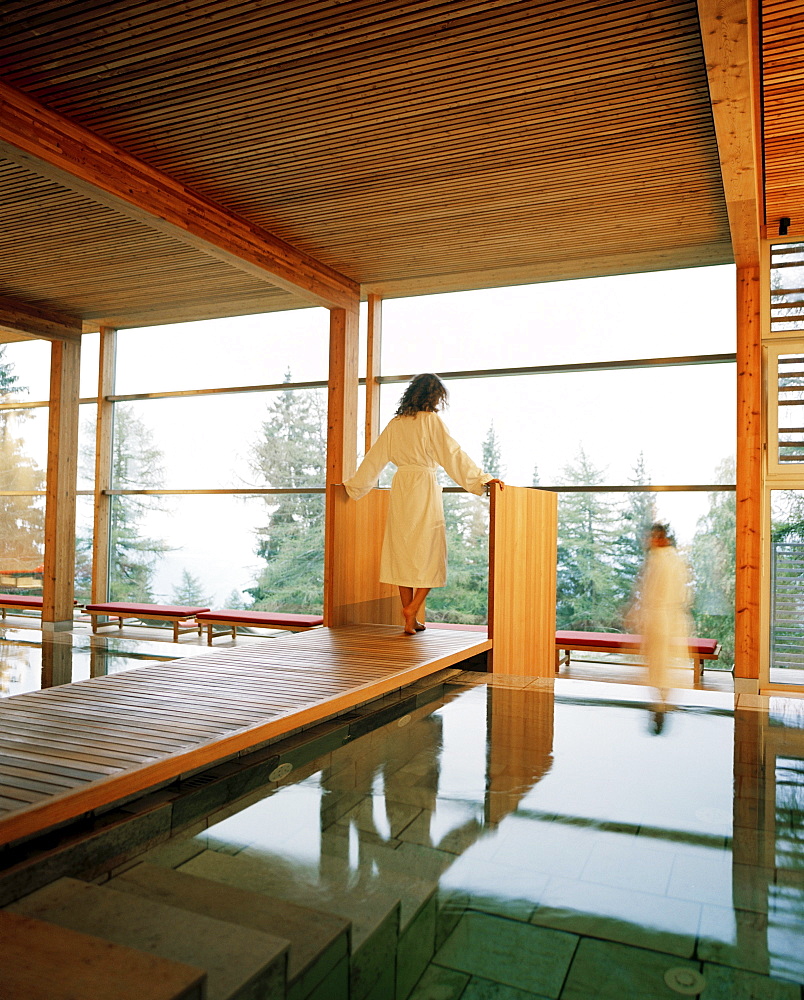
x,y
414,549
663,619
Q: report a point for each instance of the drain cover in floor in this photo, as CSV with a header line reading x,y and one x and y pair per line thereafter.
x,y
685,981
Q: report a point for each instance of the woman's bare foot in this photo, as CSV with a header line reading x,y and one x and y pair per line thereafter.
x,y
420,626
410,621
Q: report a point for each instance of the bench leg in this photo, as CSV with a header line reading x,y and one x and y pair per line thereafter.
x,y
175,631
698,669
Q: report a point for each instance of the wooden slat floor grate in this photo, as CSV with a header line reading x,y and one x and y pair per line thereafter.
x,y
70,749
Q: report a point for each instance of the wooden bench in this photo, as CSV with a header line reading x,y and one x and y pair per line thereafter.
x,y
616,642
254,619
120,610
20,602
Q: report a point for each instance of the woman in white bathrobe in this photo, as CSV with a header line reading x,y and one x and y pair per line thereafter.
x,y
414,550
663,617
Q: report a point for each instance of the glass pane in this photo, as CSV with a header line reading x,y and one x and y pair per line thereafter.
x,y
244,350
787,288
274,439
601,552
90,356
608,428
465,597
25,370
565,322
84,532
22,548
220,551
87,420
787,587
790,402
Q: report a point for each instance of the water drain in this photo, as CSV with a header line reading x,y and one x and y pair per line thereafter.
x,y
280,772
684,980
403,721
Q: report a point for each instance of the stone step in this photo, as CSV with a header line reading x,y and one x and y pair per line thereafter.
x,y
385,955
318,959
240,963
40,961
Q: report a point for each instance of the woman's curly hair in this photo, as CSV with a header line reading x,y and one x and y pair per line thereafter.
x,y
425,392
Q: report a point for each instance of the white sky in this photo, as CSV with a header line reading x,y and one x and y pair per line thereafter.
x,y
683,420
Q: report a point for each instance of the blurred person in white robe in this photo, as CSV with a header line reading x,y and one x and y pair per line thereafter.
x,y
661,614
414,549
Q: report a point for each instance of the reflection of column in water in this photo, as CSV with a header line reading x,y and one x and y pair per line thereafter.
x,y
57,662
391,766
98,656
753,834
520,745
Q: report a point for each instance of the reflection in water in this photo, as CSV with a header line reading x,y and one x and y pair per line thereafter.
x,y
557,811
31,660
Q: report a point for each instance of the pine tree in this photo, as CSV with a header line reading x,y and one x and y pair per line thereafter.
x,y
492,456
190,591
292,454
637,516
587,586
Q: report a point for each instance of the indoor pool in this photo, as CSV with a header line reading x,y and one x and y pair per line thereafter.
x,y
538,840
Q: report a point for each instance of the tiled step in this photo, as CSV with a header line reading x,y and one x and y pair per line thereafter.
x,y
240,963
318,959
385,955
39,961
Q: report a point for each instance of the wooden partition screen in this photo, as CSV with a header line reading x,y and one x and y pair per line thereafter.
x,y
522,581
353,593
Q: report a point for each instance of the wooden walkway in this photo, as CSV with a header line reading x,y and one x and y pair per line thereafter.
x,y
70,749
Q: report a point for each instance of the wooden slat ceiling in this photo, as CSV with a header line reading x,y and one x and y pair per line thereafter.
x,y
783,113
424,146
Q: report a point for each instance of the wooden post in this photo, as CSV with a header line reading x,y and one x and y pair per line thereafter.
x,y
103,468
748,581
522,581
62,468
374,347
341,431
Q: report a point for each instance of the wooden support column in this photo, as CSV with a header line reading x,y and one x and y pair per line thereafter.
x,y
341,431
62,468
374,348
103,468
748,582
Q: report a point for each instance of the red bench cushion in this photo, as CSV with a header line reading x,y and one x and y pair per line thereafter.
x,y
21,600
145,610
625,641
260,618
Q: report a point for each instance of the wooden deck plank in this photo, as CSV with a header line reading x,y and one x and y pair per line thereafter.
x,y
106,738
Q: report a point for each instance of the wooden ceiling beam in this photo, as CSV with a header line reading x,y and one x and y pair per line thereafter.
x,y
38,321
730,34
55,147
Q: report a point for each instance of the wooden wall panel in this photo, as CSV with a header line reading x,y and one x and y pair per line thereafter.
x,y
522,581
353,594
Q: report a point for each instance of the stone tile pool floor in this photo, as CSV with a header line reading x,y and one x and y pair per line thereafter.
x,y
545,840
